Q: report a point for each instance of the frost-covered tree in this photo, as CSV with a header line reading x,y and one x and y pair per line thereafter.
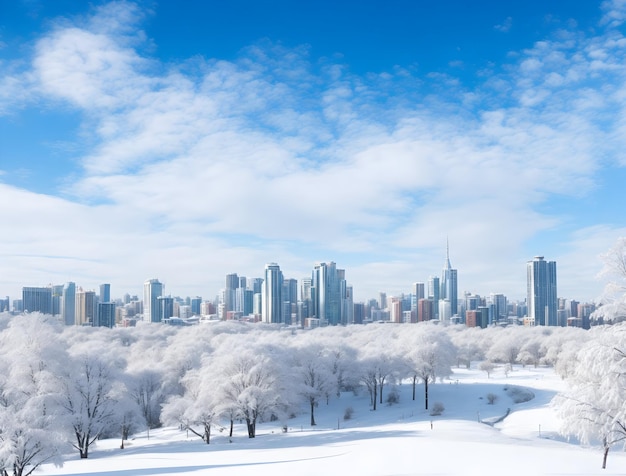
x,y
593,408
506,346
252,383
470,343
313,372
532,351
146,389
29,430
613,300
197,407
487,366
90,388
431,354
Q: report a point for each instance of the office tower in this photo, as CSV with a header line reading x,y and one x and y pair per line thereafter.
x,y
244,301
195,305
395,310
445,310
229,295
382,300
500,307
449,283
165,308
105,293
68,305
37,300
424,310
4,305
434,294
85,307
272,299
359,313
326,293
106,315
57,299
347,312
152,290
418,291
290,300
305,302
541,283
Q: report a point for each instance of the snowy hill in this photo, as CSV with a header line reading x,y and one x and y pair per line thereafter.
x,y
396,439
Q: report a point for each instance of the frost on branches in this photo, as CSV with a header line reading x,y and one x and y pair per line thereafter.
x,y
593,409
613,299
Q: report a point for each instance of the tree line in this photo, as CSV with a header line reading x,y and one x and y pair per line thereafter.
x,y
64,387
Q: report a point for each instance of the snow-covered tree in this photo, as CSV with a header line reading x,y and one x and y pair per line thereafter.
x,y
197,407
613,299
252,383
146,389
29,431
313,371
593,408
90,385
432,354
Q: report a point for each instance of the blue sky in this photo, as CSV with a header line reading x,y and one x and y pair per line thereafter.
x,y
142,140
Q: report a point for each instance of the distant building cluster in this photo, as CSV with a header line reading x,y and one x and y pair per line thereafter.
x,y
322,299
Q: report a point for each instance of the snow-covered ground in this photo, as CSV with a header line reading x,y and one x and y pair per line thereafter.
x,y
398,439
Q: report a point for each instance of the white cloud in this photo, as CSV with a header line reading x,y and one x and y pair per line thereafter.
x,y
194,175
505,26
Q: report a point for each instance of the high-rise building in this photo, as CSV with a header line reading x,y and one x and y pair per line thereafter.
x,y
152,290
434,290
326,293
418,291
85,307
272,299
68,304
165,307
229,294
4,305
290,300
424,310
500,306
105,293
37,300
106,315
57,299
449,283
195,305
541,283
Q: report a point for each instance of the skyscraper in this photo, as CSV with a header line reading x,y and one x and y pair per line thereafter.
x,y
326,292
85,307
165,308
542,300
272,299
449,283
152,289
105,293
68,304
434,290
106,315
37,300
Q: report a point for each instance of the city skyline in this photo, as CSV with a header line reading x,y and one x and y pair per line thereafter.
x,y
141,139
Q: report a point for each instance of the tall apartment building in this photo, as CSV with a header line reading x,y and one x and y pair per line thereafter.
x,y
85,307
68,304
37,299
541,283
271,295
152,290
449,284
328,293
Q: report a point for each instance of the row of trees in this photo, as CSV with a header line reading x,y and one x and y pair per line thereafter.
x,y
63,387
